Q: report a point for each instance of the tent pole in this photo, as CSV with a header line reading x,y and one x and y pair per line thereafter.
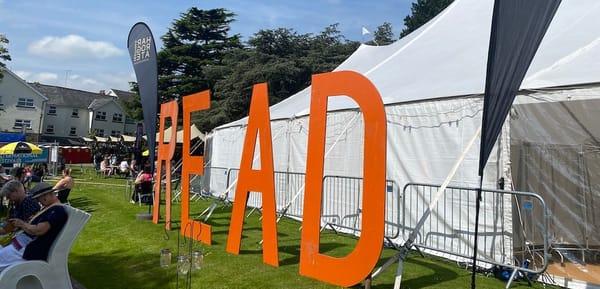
x,y
477,206
403,251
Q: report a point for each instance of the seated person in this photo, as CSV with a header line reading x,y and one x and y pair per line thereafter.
x,y
124,167
143,177
19,174
39,233
22,206
38,173
66,182
105,167
133,168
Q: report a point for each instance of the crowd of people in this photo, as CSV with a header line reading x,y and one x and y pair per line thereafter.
x,y
111,165
35,215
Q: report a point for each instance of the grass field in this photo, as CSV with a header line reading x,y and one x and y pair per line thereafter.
x,y
116,250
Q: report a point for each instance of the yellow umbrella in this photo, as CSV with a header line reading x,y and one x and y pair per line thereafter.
x,y
20,147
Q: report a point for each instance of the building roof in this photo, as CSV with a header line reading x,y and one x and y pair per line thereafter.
x,y
62,140
121,94
63,96
18,78
99,102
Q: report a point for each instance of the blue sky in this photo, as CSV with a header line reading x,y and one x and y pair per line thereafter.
x,y
82,44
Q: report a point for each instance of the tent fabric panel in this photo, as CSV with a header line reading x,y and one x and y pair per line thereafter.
x,y
557,157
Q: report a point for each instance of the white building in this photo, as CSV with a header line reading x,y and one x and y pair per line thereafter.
x,y
22,107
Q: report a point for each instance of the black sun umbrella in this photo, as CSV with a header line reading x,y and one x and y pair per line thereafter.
x,y
20,147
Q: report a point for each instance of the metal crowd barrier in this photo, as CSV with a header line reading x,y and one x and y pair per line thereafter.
x,y
342,201
513,230
287,187
512,224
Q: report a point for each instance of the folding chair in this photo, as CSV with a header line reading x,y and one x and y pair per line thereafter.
x,y
63,196
144,194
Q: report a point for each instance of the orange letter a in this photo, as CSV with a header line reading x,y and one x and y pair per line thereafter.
x,y
261,180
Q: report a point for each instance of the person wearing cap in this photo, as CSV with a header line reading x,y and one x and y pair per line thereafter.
x,y
22,206
39,233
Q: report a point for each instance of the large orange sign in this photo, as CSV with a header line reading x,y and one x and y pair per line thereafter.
x,y
344,271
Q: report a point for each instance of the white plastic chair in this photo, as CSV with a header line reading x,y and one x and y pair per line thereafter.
x,y
54,273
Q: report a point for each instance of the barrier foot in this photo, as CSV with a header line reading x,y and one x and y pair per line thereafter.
x,y
368,282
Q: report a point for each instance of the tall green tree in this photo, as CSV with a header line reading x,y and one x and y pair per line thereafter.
x,y
284,59
383,35
421,12
197,40
198,54
133,106
4,56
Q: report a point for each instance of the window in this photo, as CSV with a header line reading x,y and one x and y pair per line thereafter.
x,y
117,117
50,129
100,132
75,113
1,103
100,115
20,123
25,102
115,133
52,110
73,131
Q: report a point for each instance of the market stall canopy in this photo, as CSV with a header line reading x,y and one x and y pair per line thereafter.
x,y
127,138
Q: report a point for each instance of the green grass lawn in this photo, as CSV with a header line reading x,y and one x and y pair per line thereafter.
x,y
116,250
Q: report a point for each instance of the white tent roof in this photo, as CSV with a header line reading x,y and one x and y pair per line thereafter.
x,y
418,67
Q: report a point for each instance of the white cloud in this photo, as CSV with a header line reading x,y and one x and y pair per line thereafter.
x,y
73,47
42,77
91,83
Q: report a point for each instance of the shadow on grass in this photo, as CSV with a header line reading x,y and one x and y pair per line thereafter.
x,y
120,267
83,203
294,251
439,275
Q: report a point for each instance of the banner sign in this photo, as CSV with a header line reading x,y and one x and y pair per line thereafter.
x,y
517,31
142,51
25,158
